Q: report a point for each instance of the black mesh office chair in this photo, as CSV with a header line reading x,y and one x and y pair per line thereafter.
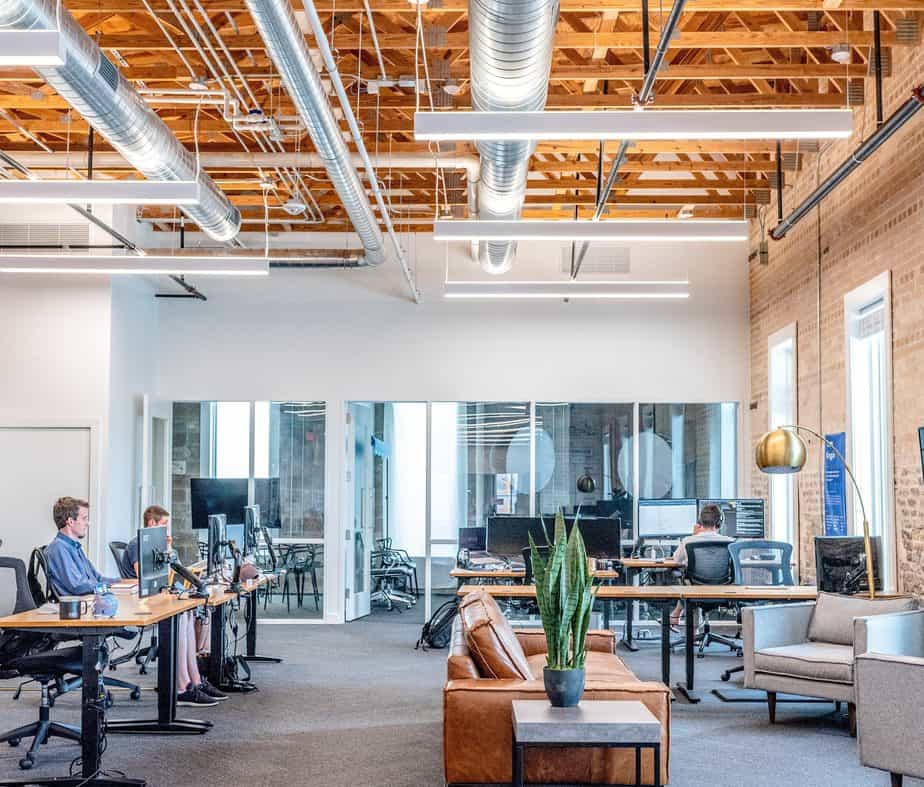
x,y
43,591
50,668
141,656
709,563
117,548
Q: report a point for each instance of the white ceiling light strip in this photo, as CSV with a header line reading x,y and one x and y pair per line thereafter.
x,y
662,124
568,291
148,265
653,230
31,48
113,192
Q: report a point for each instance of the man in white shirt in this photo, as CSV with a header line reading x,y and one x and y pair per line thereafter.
x,y
707,528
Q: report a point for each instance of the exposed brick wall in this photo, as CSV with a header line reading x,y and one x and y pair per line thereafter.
x,y
871,223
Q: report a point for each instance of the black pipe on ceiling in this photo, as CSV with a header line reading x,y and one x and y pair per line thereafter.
x,y
898,119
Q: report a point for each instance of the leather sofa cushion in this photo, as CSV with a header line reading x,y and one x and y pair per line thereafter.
x,y
822,661
491,640
832,619
598,666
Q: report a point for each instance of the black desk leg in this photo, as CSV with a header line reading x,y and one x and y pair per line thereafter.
x,y
252,656
92,719
217,656
626,640
666,644
689,652
166,722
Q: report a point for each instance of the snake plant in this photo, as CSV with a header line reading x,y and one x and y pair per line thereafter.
x,y
565,594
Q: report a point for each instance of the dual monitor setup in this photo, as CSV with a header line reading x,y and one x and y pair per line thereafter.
x,y
671,520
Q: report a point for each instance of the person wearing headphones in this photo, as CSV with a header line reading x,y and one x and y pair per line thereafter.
x,y
707,528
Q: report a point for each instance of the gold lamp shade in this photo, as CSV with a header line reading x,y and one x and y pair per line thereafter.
x,y
780,451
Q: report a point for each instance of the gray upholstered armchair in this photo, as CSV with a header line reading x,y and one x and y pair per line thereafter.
x,y
890,700
810,649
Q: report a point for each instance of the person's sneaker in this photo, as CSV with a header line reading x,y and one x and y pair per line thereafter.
x,y
210,691
195,698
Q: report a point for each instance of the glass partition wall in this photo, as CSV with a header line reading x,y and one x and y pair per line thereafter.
x,y
278,447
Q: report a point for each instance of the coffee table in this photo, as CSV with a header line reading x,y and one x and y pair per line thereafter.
x,y
592,724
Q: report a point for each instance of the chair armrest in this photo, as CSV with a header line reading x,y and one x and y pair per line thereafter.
x,y
772,626
603,641
890,698
897,633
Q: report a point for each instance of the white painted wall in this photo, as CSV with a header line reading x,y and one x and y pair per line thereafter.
x,y
133,372
338,336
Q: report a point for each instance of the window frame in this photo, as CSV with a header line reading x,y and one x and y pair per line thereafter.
x,y
877,288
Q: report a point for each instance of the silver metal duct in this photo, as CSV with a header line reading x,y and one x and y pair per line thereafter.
x,y
93,86
286,46
510,45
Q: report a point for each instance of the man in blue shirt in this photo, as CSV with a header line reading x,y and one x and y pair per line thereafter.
x,y
70,571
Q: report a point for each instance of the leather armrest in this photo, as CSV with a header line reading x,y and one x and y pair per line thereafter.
x,y
602,640
532,641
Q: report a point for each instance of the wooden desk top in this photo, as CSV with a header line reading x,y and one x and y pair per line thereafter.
x,y
223,595
515,573
649,562
669,592
133,611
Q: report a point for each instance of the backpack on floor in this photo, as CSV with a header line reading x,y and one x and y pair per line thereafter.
x,y
437,631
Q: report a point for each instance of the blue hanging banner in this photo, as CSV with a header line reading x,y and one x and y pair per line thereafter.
x,y
835,487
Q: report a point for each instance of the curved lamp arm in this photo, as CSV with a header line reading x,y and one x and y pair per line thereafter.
x,y
866,539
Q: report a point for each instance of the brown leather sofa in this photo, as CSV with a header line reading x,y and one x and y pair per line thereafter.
x,y
490,665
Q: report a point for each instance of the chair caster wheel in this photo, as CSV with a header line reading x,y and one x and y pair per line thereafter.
x,y
51,702
136,694
700,655
26,763
14,742
108,700
725,677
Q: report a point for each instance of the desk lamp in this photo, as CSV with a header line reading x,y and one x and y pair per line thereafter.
x,y
782,451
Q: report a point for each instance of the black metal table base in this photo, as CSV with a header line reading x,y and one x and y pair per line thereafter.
x,y
155,727
519,757
263,659
74,781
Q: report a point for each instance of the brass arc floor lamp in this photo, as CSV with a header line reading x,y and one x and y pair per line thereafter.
x,y
782,451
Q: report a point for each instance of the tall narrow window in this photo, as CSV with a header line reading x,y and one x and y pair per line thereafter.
x,y
867,323
781,374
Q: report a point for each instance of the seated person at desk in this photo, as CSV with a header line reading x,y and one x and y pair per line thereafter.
x,y
193,688
706,529
69,570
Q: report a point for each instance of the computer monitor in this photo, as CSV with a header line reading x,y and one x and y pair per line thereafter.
x,y
602,536
266,495
153,565
606,508
508,535
474,539
251,525
667,519
217,539
744,517
840,564
208,496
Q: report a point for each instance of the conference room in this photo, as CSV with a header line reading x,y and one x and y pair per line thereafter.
x,y
460,393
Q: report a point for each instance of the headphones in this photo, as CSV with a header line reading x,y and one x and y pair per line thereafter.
x,y
711,521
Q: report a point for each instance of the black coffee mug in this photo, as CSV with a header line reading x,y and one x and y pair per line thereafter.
x,y
72,607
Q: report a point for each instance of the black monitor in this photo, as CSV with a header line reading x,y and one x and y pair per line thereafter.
x,y
474,539
217,523
602,537
153,562
508,535
266,495
251,526
209,496
744,517
606,508
840,564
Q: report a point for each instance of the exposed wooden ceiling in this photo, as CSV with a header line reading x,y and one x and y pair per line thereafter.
x,y
729,53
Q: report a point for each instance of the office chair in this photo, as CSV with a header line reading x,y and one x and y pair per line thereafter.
x,y
141,656
401,557
759,562
50,668
709,563
389,575
41,587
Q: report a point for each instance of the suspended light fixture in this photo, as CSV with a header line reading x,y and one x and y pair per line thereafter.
x,y
652,230
113,192
179,265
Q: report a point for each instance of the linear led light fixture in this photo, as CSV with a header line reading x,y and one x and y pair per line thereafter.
x,y
145,266
113,192
569,290
31,48
662,124
651,230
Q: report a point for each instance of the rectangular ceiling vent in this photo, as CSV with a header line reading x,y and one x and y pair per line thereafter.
x,y
601,261
108,72
44,237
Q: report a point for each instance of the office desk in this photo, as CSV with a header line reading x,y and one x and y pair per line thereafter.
x,y
518,574
633,567
665,596
217,602
91,631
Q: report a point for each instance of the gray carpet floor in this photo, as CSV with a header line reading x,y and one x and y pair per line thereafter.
x,y
355,705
